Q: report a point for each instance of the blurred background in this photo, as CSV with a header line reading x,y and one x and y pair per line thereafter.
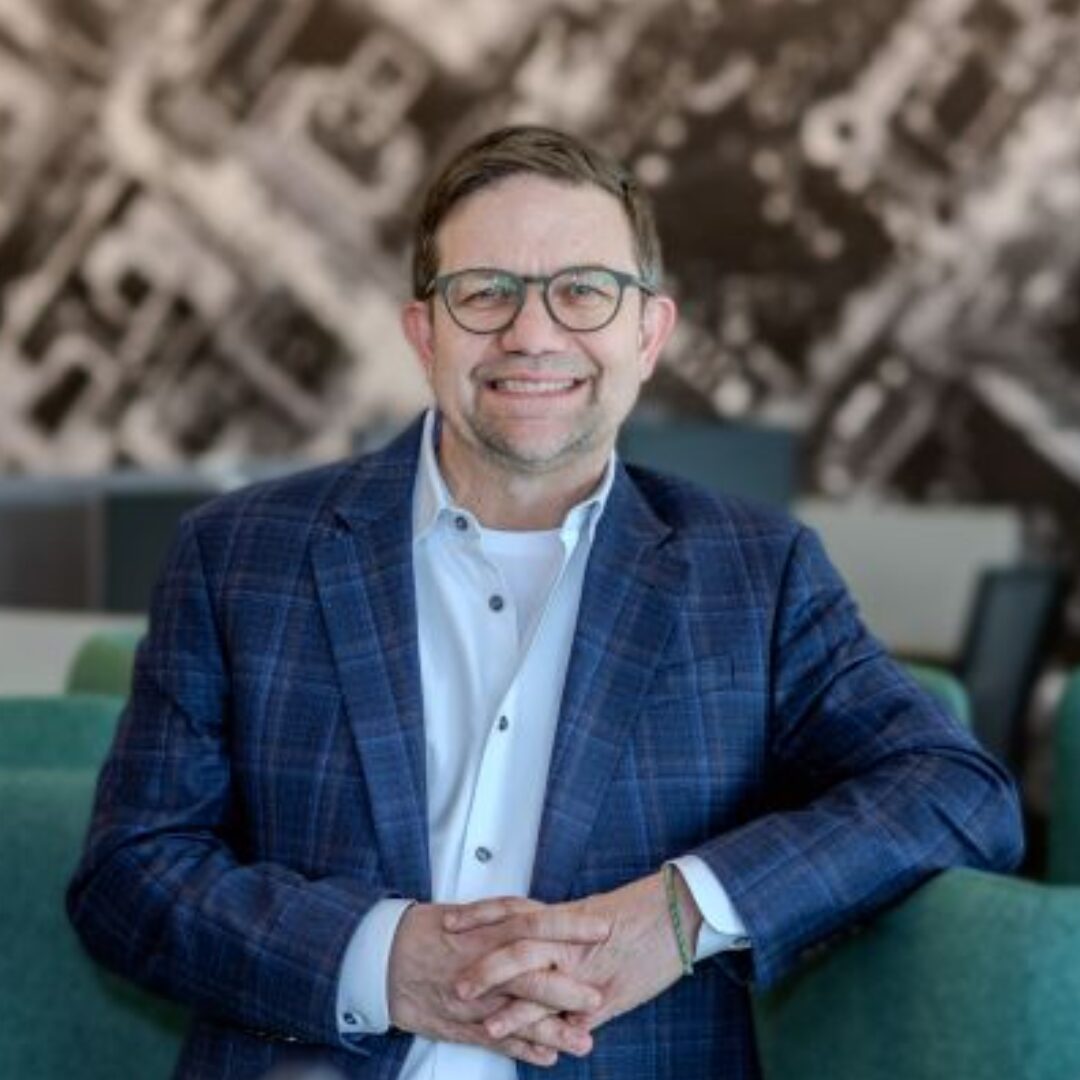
x,y
871,211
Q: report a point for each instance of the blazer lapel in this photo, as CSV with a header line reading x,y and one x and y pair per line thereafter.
x,y
629,605
364,576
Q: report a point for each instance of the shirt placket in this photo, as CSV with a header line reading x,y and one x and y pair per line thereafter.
x,y
494,859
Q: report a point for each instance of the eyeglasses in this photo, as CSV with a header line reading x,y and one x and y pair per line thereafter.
x,y
579,298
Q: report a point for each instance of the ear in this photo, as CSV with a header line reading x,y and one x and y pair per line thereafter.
x,y
658,318
418,325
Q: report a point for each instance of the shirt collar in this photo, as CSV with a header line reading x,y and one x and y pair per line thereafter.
x,y
433,502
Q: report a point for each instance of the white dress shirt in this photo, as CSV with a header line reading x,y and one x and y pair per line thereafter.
x,y
496,613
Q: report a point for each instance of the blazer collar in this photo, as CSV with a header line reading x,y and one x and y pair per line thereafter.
x,y
629,607
363,571
378,483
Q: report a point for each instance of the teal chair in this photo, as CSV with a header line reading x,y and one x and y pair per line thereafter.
x,y
104,663
974,977
1063,840
69,732
62,1017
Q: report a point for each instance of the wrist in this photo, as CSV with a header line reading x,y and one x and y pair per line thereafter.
x,y
401,968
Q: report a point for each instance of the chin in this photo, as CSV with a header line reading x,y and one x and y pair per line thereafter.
x,y
539,456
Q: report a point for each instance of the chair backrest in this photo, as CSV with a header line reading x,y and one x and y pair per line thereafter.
x,y
749,460
974,976
62,732
139,516
1013,616
1063,840
109,1030
104,663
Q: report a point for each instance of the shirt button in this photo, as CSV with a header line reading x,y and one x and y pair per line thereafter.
x,y
496,602
349,1019
482,854
503,723
461,522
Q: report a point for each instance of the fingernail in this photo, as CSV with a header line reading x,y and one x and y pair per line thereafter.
x,y
450,921
496,1029
464,990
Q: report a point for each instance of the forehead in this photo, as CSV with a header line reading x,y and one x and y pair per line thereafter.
x,y
534,224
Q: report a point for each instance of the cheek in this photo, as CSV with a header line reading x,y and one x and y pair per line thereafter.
x,y
628,367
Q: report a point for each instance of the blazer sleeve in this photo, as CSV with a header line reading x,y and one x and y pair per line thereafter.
x,y
161,894
876,786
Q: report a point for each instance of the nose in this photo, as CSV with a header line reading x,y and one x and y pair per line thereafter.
x,y
534,331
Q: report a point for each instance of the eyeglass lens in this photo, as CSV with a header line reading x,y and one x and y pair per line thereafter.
x,y
489,300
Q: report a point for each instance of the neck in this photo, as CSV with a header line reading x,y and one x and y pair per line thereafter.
x,y
512,499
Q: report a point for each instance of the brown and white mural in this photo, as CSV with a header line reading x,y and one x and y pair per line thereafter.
x,y
871,209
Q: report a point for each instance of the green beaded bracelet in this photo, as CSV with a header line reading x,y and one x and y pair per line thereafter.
x,y
668,873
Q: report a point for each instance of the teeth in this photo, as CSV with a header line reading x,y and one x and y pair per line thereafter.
x,y
533,386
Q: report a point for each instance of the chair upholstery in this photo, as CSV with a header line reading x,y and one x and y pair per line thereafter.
x,y
1063,841
70,732
975,976
104,663
62,1016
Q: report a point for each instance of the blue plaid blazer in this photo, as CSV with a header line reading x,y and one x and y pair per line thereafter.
x,y
267,784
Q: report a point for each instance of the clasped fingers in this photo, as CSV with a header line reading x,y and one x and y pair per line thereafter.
x,y
534,971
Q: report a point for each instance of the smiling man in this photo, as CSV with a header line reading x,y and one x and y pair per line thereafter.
x,y
487,749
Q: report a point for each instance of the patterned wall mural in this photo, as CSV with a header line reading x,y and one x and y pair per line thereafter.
x,y
871,211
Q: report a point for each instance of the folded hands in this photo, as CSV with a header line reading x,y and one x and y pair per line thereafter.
x,y
533,980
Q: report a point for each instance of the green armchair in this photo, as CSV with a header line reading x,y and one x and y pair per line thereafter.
x,y
70,732
62,1015
974,977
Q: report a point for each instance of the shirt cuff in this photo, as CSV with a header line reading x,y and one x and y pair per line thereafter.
x,y
362,1000
722,928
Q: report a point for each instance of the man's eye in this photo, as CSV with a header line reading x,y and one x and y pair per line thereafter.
x,y
583,291
486,294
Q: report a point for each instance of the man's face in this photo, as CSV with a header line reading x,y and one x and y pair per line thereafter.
x,y
537,398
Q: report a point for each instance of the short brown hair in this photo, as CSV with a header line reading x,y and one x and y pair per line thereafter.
x,y
541,151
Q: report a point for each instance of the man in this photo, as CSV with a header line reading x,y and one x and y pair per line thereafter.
x,y
492,662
